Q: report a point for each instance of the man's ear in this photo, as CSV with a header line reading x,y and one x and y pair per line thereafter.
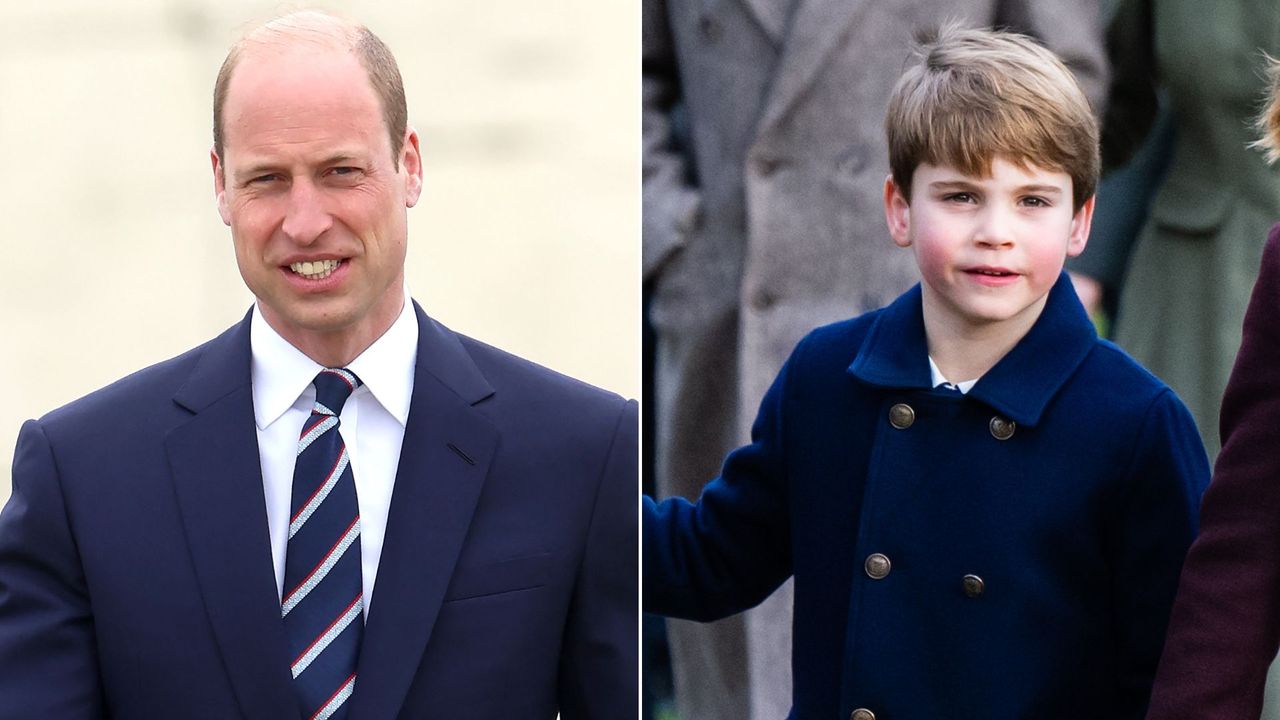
x,y
897,213
220,187
411,158
1080,225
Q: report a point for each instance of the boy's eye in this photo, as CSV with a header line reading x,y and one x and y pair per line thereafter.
x,y
960,197
1034,201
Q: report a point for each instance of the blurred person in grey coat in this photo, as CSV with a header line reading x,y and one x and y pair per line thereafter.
x,y
764,157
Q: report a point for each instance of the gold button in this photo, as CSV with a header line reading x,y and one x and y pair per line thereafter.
x,y
901,416
1002,429
877,566
973,586
862,714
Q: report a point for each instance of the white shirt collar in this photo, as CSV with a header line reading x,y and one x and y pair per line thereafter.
x,y
281,373
937,379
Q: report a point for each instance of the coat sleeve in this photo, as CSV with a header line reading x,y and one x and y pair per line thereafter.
x,y
48,656
671,205
1155,524
599,662
731,549
1225,628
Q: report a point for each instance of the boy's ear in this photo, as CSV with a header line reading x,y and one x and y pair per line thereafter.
x,y
897,213
1080,225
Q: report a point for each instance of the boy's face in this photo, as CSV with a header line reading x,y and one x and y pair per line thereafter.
x,y
989,249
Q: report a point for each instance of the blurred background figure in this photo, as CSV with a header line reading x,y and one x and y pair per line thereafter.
x,y
527,120
1191,267
764,162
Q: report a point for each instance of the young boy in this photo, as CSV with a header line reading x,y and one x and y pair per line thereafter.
x,y
984,506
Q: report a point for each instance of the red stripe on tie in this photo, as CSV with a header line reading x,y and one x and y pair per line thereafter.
x,y
314,425
324,632
325,704
342,448
315,569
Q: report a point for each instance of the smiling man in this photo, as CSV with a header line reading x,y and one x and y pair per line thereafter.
x,y
203,539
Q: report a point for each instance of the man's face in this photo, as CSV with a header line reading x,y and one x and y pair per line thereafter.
x,y
314,198
989,248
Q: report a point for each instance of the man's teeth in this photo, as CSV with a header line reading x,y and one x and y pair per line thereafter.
x,y
315,270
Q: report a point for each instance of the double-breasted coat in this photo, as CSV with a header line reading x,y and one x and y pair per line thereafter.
x,y
1009,553
764,161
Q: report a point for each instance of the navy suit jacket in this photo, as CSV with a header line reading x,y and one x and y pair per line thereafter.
x,y
136,577
944,566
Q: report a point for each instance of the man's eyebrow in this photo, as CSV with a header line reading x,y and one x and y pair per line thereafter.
x,y
267,167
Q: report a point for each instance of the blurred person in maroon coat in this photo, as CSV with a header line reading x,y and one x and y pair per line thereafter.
x,y
1225,627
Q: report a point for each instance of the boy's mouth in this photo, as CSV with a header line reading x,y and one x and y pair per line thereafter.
x,y
991,272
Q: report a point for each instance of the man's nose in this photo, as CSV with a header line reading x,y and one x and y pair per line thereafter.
x,y
307,216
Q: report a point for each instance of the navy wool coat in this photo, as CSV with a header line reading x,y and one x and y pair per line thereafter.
x,y
1011,553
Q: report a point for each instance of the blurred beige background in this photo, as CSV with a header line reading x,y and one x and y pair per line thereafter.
x,y
527,235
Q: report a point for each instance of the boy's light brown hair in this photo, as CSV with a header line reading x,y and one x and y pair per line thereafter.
x,y
969,95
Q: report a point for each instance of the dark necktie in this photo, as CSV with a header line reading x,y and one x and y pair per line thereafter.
x,y
323,604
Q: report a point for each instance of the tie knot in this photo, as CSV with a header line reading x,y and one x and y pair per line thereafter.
x,y
334,386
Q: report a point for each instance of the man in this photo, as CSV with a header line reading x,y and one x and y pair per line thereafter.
x,y
172,541
763,157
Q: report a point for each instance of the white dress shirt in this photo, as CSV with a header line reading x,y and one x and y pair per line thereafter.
x,y
372,424
937,379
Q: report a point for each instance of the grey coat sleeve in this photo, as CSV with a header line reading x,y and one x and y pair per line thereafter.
x,y
671,203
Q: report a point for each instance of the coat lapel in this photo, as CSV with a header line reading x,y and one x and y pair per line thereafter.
x,y
816,27
218,481
448,445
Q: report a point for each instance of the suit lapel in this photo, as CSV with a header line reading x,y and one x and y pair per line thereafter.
x,y
218,481
816,27
448,445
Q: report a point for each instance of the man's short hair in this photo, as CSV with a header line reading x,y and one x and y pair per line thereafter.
x,y
970,95
324,30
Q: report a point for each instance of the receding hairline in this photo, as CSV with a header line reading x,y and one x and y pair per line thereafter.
x,y
319,30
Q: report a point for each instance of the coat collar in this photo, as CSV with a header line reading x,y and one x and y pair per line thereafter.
x,y
1019,386
218,483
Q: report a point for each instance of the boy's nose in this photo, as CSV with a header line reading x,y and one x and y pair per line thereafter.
x,y
995,229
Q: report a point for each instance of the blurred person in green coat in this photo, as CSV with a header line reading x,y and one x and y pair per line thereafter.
x,y
1193,263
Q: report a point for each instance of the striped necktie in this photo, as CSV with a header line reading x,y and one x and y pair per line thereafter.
x,y
323,603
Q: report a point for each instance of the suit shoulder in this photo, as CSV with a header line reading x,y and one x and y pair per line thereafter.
x,y
519,379
153,384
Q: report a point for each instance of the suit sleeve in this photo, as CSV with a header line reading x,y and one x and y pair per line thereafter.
x,y
731,549
48,657
1225,628
670,204
1070,28
599,664
1155,524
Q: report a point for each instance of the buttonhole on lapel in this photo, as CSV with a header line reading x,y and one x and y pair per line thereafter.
x,y
461,454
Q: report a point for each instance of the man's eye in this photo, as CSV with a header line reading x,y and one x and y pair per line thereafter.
x,y
343,171
263,179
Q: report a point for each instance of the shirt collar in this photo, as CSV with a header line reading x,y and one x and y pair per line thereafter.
x,y
936,378
1019,386
281,372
